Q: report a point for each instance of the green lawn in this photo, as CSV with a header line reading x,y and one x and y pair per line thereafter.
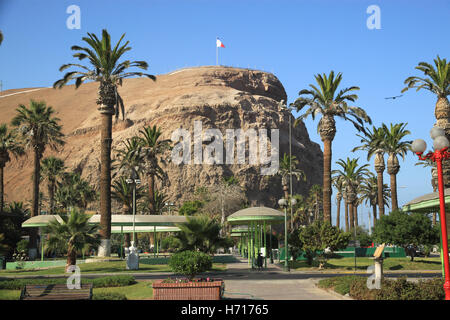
x,y
103,267
9,294
389,264
139,291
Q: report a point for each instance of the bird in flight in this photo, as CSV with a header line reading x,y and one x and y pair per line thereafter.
x,y
394,97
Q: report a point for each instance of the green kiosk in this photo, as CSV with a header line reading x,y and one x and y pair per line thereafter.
x,y
256,220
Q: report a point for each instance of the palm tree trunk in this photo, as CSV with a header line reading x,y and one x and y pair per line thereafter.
x,y
32,245
51,195
379,168
442,114
394,192
380,193
338,214
351,215
346,216
374,211
105,182
2,204
151,193
327,155
71,258
355,214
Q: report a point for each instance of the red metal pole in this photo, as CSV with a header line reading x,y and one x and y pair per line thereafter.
x,y
443,219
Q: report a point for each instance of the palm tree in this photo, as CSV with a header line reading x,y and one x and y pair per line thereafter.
x,y
372,143
315,200
1,37
105,69
38,129
300,212
368,193
74,191
352,174
326,101
9,144
201,233
393,146
437,81
152,148
72,235
339,184
52,169
131,157
289,166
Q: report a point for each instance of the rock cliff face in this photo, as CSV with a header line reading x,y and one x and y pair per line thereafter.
x,y
218,97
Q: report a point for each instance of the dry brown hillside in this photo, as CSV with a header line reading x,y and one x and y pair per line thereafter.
x,y
220,97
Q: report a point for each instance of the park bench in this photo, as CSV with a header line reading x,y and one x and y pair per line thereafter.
x,y
56,292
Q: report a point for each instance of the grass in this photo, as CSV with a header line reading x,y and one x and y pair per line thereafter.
x,y
389,264
141,290
339,284
102,267
9,294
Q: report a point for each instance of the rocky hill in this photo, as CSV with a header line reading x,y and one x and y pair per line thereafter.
x,y
220,97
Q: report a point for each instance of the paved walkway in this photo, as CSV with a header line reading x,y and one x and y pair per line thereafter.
x,y
267,288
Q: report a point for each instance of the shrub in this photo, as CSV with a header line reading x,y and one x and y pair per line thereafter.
x,y
171,244
109,296
399,289
112,281
22,245
103,282
190,263
431,289
358,289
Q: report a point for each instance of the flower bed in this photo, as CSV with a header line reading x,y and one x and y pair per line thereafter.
x,y
198,289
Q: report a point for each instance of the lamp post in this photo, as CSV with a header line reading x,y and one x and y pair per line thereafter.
x,y
283,203
440,153
289,109
134,181
169,205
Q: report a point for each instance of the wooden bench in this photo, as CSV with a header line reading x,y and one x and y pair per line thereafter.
x,y
56,292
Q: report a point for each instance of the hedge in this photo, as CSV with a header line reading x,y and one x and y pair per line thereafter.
x,y
103,282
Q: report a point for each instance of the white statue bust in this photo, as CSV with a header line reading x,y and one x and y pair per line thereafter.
x,y
132,258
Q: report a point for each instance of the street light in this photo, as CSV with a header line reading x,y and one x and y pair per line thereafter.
x,y
440,145
169,205
134,181
283,203
289,109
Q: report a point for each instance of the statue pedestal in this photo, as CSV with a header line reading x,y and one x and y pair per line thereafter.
x,y
378,269
132,258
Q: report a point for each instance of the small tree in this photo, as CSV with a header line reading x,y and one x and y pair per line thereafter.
x,y
189,208
321,238
72,235
295,243
201,233
406,230
190,263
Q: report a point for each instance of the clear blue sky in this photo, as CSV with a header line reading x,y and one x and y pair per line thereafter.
x,y
293,39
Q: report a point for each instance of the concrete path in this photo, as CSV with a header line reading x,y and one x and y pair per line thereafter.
x,y
268,288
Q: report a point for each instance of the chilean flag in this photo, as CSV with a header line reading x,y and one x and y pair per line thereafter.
x,y
219,43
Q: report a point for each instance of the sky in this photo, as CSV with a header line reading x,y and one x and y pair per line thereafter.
x,y
294,40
